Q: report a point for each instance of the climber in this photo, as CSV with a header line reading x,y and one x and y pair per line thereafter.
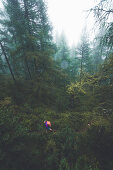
x,y
48,125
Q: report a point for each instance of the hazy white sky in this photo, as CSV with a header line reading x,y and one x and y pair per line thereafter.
x,y
69,16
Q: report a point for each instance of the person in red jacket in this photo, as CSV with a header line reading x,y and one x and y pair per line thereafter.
x,y
48,125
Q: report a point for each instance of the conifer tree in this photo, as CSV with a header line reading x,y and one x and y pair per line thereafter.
x,y
28,37
63,53
84,55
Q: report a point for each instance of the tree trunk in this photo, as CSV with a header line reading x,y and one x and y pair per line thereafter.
x,y
28,29
28,68
81,68
10,69
27,16
35,66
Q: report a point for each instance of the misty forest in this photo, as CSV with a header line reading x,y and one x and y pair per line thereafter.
x,y
42,78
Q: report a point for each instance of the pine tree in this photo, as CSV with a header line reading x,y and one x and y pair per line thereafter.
x,y
28,37
63,53
84,55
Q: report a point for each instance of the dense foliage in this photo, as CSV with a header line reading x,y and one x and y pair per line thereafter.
x,y
42,80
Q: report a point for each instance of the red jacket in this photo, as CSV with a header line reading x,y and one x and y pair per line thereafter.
x,y
48,123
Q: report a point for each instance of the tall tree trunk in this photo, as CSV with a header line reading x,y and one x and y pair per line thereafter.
x,y
26,62
27,15
10,69
28,68
35,66
28,29
81,68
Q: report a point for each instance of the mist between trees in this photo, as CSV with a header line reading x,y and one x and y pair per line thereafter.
x,y
45,80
